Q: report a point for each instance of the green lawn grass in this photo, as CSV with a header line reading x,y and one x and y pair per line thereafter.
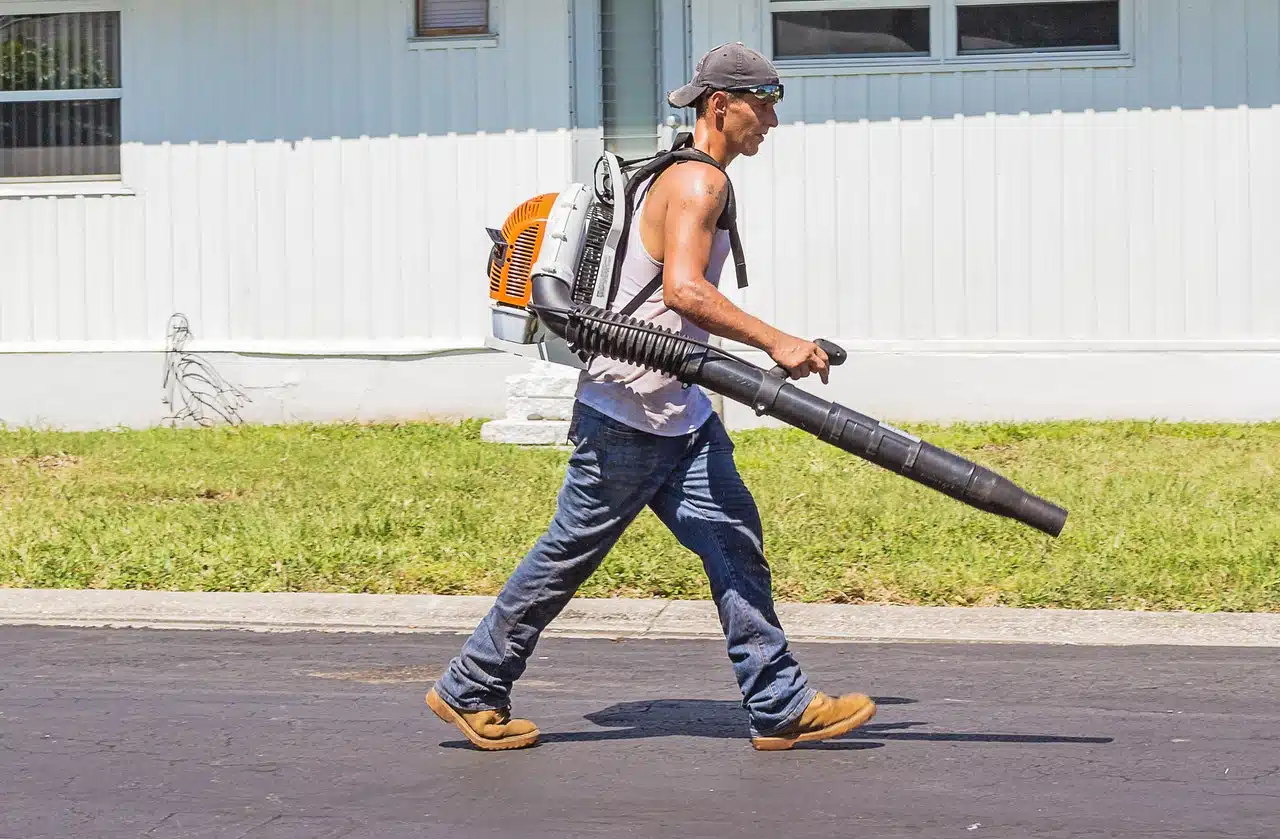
x,y
1163,516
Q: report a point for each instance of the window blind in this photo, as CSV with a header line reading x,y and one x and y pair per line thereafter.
x,y
453,15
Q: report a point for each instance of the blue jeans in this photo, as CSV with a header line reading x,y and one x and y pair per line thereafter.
x,y
692,484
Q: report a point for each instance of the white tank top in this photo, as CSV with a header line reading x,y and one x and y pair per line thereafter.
x,y
636,396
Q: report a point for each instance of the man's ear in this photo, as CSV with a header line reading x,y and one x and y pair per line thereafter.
x,y
718,103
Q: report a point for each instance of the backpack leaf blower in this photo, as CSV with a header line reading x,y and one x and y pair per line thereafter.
x,y
553,270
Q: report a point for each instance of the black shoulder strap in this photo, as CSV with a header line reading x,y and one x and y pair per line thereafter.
x,y
684,150
643,295
681,150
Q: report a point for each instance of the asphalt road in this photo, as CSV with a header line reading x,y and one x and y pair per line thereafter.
x,y
227,735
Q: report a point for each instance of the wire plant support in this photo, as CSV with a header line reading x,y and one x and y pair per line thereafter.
x,y
194,391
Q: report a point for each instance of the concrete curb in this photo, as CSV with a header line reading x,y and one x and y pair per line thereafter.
x,y
619,618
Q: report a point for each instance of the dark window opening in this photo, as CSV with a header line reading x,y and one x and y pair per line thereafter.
x,y
1045,27
60,52
60,117
851,32
60,139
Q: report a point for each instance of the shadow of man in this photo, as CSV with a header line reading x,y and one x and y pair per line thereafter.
x,y
722,719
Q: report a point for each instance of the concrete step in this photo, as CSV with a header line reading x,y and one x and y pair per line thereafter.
x,y
539,408
526,432
544,381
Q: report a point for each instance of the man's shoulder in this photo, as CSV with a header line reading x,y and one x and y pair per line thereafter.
x,y
694,186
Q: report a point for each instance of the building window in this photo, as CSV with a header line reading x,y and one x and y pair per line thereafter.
x,y
60,95
1038,27
629,72
851,32
447,18
954,33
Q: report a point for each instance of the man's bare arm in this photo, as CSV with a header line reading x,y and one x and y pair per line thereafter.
x,y
698,197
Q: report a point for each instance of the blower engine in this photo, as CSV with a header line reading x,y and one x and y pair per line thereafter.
x,y
553,271
549,232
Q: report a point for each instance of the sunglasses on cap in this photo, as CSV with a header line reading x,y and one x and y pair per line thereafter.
x,y
771,93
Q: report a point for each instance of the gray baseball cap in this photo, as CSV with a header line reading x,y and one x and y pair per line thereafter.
x,y
725,67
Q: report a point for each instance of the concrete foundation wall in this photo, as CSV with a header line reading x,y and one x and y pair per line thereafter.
x,y
78,391
75,391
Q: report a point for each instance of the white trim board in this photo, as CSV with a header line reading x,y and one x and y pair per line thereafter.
x,y
372,348
81,94
375,347
58,7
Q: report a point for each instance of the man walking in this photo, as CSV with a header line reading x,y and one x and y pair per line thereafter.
x,y
644,439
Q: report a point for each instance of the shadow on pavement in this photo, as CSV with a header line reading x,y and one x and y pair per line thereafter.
x,y
719,719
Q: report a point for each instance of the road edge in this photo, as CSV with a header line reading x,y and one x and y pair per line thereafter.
x,y
627,618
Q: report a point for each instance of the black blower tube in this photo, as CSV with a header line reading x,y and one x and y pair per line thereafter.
x,y
593,331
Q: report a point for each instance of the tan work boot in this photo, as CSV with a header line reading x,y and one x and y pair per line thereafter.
x,y
822,719
489,730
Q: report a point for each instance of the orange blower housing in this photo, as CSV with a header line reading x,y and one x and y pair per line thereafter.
x,y
570,235
514,251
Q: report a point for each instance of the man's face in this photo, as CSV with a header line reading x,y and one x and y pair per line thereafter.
x,y
747,120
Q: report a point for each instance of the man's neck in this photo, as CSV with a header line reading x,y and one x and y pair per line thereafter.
x,y
712,143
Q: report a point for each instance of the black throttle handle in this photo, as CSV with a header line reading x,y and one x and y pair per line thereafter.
x,y
836,356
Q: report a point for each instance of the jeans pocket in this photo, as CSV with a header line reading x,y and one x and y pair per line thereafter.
x,y
627,457
620,433
575,426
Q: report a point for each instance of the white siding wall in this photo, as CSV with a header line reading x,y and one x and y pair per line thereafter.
x,y
1028,209
302,179
304,182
